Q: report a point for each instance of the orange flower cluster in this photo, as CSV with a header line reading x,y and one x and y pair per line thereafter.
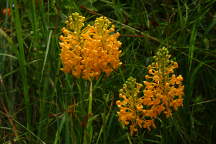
x,y
87,52
163,90
162,94
131,107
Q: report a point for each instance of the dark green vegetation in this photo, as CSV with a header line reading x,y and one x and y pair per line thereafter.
x,y
40,104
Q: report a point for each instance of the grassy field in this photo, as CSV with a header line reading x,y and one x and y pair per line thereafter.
x,y
40,104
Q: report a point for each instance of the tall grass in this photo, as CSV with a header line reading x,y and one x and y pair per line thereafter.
x,y
41,104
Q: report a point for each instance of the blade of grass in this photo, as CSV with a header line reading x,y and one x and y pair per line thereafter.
x,y
22,62
8,55
4,34
192,46
46,54
58,132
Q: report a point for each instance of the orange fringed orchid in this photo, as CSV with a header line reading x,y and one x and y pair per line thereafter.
x,y
131,107
89,51
162,94
162,86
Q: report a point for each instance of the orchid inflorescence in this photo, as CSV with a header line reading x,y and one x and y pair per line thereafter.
x,y
163,93
87,52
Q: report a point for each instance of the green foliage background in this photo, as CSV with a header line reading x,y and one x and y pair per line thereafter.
x,y
41,104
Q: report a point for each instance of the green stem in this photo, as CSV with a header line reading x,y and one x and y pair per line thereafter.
x,y
89,129
129,139
90,99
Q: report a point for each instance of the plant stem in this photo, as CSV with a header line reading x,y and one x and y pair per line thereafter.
x,y
89,129
129,139
90,99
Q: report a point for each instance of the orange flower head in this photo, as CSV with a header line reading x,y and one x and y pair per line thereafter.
x,y
163,94
87,52
130,107
163,85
